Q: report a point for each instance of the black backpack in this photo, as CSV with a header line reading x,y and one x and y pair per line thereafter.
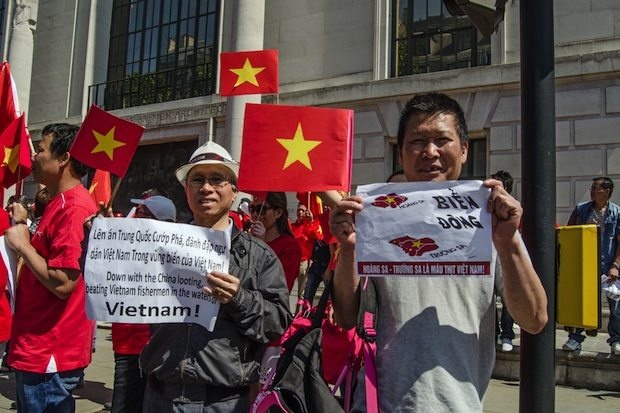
x,y
298,385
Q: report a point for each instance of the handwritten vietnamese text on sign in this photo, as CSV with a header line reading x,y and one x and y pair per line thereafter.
x,y
148,271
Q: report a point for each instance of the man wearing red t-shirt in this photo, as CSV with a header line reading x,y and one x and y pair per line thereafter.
x,y
306,230
5,307
51,337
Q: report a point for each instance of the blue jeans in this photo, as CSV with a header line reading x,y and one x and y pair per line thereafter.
x,y
315,276
506,323
129,384
613,327
46,392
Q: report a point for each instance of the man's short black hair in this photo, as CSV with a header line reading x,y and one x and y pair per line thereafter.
x,y
431,104
63,136
506,179
606,183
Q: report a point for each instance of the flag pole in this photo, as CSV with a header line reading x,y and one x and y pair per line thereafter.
x,y
20,181
114,191
18,184
32,150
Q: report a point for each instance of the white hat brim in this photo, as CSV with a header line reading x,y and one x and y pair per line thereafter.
x,y
182,171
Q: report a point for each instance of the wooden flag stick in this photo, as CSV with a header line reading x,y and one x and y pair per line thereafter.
x,y
114,191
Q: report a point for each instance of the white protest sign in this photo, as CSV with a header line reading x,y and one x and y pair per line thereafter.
x,y
424,229
10,262
148,271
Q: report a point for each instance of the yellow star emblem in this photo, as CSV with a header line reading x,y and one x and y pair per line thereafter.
x,y
417,243
92,187
106,143
298,148
247,73
11,157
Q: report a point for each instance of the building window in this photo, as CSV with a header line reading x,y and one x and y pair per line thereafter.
x,y
426,38
160,50
3,25
476,165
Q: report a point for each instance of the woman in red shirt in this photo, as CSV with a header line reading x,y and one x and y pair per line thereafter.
x,y
270,223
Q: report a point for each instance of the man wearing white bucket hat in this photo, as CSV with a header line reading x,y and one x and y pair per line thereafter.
x,y
188,367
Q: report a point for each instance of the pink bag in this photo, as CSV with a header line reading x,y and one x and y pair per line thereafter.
x,y
340,348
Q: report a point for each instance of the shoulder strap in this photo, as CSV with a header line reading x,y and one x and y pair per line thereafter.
x,y
367,316
317,320
366,329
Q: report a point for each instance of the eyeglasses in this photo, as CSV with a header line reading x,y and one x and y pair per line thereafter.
x,y
596,188
143,212
257,209
215,181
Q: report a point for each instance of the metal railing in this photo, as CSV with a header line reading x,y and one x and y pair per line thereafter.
x,y
163,86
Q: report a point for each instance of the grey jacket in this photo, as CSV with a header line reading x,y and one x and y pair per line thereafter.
x,y
187,354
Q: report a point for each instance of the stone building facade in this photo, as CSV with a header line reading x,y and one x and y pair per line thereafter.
x,y
333,53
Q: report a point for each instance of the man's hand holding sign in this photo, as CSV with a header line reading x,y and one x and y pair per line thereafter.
x,y
148,271
426,229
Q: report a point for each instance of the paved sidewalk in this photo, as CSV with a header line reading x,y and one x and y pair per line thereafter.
x,y
502,396
99,378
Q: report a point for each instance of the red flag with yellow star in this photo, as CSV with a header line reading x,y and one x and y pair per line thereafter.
x,y
296,148
9,107
100,187
106,142
16,155
312,201
247,73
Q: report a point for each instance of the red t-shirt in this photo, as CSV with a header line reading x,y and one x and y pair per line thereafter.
x,y
5,307
289,253
239,220
305,234
51,334
130,339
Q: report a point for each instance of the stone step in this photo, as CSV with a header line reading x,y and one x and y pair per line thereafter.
x,y
585,369
593,367
604,316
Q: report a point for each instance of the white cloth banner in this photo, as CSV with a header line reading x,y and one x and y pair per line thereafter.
x,y
424,229
149,271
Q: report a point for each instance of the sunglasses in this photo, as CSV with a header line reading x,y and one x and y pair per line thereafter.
x,y
215,181
257,209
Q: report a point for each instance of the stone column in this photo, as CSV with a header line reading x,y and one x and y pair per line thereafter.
x,y
21,48
247,33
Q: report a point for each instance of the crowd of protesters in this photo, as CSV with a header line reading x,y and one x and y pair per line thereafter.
x,y
184,367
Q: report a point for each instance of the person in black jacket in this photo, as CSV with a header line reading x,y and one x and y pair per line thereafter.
x,y
188,367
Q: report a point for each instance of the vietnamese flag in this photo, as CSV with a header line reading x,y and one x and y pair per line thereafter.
x,y
9,107
106,142
312,201
16,154
296,149
100,187
247,73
